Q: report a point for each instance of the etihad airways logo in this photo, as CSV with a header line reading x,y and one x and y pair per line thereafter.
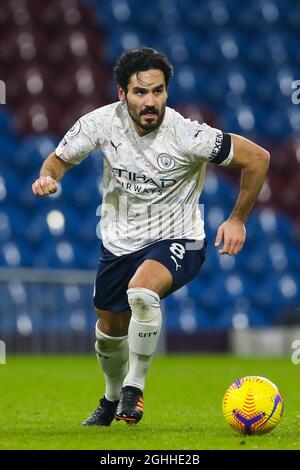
x,y
140,183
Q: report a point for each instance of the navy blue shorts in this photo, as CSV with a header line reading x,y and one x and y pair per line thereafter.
x,y
182,257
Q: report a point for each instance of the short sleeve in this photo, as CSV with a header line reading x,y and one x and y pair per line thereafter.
x,y
84,137
209,144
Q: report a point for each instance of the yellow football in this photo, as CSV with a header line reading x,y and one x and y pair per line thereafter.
x,y
253,405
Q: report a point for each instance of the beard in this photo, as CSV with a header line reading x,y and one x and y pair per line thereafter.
x,y
151,124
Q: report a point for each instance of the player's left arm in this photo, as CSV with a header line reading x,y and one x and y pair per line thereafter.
x,y
254,162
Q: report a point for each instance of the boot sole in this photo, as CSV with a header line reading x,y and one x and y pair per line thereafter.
x,y
128,420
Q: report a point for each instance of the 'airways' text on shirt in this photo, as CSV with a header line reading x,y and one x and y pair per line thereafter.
x,y
140,178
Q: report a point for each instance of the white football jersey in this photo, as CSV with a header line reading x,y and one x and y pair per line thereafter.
x,y
151,184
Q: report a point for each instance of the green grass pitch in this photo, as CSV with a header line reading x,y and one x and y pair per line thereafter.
x,y
44,399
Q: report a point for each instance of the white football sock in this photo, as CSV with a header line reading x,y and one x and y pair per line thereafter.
x,y
112,355
143,334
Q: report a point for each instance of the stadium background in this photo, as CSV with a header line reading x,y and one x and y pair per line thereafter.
x,y
234,67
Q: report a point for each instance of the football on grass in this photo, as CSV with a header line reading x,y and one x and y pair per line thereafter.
x,y
253,405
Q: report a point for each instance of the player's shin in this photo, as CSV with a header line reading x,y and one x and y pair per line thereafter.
x,y
143,334
112,355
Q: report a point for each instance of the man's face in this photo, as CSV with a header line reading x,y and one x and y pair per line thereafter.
x,y
146,100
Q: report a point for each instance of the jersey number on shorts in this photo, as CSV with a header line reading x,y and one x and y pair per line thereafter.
x,y
178,250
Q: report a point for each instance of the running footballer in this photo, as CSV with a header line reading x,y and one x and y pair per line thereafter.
x,y
153,239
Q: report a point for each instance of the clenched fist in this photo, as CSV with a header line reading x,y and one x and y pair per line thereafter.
x,y
44,185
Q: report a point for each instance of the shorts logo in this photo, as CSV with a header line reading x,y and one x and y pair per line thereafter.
x,y
165,161
178,250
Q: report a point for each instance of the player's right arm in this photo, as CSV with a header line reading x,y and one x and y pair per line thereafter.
x,y
52,171
84,137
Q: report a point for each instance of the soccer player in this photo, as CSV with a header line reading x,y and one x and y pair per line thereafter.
x,y
153,239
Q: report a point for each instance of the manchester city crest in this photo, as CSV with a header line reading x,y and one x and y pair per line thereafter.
x,y
165,161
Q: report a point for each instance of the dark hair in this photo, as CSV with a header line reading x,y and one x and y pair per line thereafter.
x,y
141,59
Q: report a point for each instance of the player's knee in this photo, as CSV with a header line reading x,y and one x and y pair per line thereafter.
x,y
112,324
113,348
144,303
133,284
105,343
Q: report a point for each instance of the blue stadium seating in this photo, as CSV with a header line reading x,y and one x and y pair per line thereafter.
x,y
31,153
8,125
234,60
